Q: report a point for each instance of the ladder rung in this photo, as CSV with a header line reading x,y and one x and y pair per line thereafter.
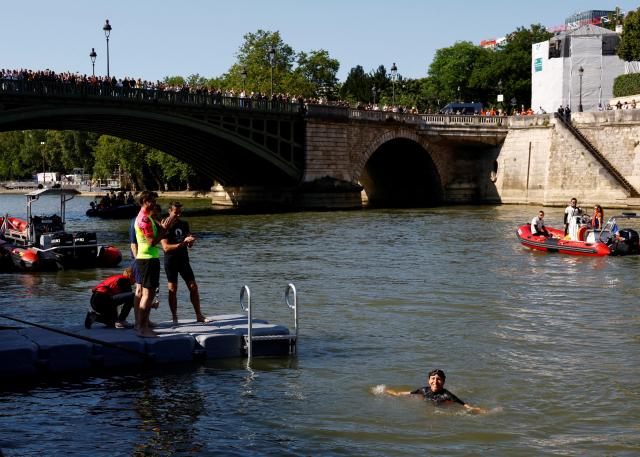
x,y
271,337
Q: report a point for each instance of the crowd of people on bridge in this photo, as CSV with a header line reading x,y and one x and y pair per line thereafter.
x,y
246,98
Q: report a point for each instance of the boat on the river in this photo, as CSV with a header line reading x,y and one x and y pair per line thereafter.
x,y
40,243
125,211
583,240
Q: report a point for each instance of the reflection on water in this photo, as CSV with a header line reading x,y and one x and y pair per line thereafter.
x,y
549,343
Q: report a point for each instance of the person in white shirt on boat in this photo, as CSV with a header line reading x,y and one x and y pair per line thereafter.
x,y
537,225
570,212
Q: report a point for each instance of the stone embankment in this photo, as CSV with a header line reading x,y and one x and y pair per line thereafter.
x,y
541,162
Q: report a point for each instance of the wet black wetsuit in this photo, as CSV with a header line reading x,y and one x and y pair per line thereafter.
x,y
177,261
444,396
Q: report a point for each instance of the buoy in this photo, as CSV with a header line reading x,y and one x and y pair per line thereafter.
x,y
109,256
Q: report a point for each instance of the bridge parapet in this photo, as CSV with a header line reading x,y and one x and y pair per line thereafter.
x,y
85,90
341,113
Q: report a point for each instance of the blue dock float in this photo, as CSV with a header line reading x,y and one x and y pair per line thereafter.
x,y
33,351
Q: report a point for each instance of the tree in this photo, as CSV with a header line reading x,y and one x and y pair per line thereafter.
x,y
173,172
513,62
320,70
357,86
254,55
629,49
452,68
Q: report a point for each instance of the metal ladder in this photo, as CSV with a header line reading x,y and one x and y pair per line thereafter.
x,y
290,299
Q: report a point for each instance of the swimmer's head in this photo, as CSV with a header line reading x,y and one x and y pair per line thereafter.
x,y
437,372
436,380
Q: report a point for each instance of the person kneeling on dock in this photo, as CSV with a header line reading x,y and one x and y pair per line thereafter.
x,y
537,225
107,296
436,392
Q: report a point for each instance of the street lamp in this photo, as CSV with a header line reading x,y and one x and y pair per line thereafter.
x,y
93,56
459,100
580,72
243,74
107,32
272,63
373,91
42,143
513,105
394,74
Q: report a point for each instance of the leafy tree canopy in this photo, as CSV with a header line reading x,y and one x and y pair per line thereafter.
x,y
629,49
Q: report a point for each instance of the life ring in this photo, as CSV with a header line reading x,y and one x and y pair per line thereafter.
x,y
581,233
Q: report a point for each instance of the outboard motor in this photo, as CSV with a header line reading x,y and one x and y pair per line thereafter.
x,y
627,242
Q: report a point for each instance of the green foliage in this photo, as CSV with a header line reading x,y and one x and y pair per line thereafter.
x,y
173,172
625,85
297,74
357,87
319,70
139,165
629,49
253,55
482,73
174,80
453,67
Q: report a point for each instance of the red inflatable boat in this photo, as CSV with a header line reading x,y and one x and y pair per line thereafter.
x,y
589,242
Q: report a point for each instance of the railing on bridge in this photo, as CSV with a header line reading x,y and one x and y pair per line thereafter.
x,y
135,95
336,112
85,90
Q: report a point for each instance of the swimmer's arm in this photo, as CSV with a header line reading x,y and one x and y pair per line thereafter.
x,y
396,393
474,409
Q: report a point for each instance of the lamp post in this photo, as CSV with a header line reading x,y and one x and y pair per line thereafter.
x,y
272,63
394,74
243,74
107,32
513,105
580,72
459,100
42,143
93,56
373,92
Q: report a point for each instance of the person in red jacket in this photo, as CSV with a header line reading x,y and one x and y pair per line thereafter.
x,y
107,296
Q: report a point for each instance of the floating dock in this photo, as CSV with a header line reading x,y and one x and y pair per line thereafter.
x,y
41,350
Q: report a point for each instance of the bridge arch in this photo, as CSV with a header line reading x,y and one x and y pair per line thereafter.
x,y
398,171
214,150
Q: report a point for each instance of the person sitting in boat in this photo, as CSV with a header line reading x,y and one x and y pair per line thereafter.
x,y
105,201
570,212
537,225
130,199
597,218
107,296
436,392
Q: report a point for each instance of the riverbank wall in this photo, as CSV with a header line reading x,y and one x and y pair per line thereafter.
x,y
541,162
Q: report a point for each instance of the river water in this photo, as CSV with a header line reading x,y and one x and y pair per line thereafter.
x,y
549,344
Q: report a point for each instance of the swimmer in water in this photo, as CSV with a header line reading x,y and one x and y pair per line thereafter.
x,y
436,392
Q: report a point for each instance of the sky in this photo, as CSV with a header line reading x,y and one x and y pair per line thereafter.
x,y
154,39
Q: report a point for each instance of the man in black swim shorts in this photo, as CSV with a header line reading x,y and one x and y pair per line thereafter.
x,y
176,262
436,392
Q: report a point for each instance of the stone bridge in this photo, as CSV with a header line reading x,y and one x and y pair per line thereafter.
x,y
271,153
